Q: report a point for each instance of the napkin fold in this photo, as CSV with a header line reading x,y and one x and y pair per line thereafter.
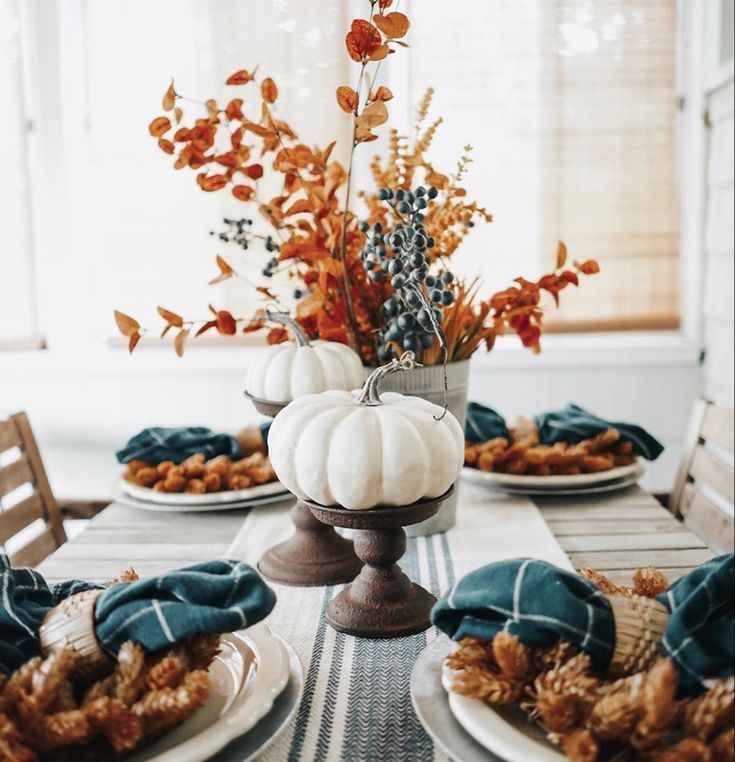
x,y
484,423
211,597
537,602
570,424
700,635
157,444
540,604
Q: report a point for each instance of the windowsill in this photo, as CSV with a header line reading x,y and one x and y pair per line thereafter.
x,y
587,350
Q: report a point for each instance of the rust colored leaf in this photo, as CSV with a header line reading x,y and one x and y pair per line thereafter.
x,y
205,327
159,126
125,324
561,255
233,110
373,114
182,135
589,267
298,207
362,40
268,90
277,335
180,341
171,317
225,271
169,97
266,292
211,106
383,4
226,324
240,77
379,53
393,25
133,341
570,277
166,145
346,98
178,113
254,171
382,94
211,183
242,192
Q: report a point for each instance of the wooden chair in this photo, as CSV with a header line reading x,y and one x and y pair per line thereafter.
x,y
703,492
26,471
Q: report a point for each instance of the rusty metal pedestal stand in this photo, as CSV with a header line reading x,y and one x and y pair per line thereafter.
x,y
381,602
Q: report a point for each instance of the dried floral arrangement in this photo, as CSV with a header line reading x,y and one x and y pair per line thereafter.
x,y
592,717
380,284
45,714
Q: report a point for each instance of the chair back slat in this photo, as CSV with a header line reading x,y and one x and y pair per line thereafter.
x,y
718,427
15,475
33,552
707,520
703,493
26,497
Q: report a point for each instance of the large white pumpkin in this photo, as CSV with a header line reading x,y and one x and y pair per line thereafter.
x,y
360,450
294,368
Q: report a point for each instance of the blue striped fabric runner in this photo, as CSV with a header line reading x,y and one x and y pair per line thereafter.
x,y
357,703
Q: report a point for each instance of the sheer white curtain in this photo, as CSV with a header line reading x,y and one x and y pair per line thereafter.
x,y
18,316
571,107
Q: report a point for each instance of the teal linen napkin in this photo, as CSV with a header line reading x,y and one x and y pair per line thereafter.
x,y
540,604
157,444
484,423
211,597
572,424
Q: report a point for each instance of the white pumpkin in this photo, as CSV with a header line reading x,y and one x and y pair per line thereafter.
x,y
294,368
360,450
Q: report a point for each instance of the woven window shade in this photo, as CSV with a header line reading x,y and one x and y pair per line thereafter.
x,y
571,108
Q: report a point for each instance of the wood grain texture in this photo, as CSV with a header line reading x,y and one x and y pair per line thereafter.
x,y
9,436
12,520
707,520
708,469
718,425
15,475
33,552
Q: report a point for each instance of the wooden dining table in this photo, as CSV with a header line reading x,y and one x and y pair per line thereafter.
x,y
615,534
356,702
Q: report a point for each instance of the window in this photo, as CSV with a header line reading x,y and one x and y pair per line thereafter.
x,y
18,316
571,108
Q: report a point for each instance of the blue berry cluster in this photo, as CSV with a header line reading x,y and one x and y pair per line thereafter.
x,y
240,233
414,313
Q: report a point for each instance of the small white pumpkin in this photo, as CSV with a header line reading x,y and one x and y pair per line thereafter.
x,y
360,450
294,368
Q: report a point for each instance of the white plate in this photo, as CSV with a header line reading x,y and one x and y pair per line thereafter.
x,y
246,679
179,499
613,486
120,497
578,481
505,732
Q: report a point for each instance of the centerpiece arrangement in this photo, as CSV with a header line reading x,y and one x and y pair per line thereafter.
x,y
377,279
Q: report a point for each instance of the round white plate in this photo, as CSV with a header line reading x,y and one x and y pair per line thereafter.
x,y
613,486
503,731
578,481
234,705
120,497
179,499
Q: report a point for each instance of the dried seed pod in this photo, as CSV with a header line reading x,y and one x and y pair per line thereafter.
x,y
161,709
511,656
606,585
687,750
649,582
129,673
12,746
487,686
58,730
166,673
723,747
472,652
118,724
580,746
614,716
202,650
658,706
712,712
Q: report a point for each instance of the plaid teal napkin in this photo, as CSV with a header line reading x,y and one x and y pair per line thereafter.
x,y
573,424
540,604
483,423
212,597
700,635
533,600
157,444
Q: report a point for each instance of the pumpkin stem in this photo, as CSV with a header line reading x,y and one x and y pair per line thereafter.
x,y
370,394
283,318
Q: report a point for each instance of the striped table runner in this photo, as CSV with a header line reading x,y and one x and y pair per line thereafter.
x,y
356,703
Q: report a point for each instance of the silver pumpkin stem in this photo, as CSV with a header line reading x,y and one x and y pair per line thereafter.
x,y
370,394
283,318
